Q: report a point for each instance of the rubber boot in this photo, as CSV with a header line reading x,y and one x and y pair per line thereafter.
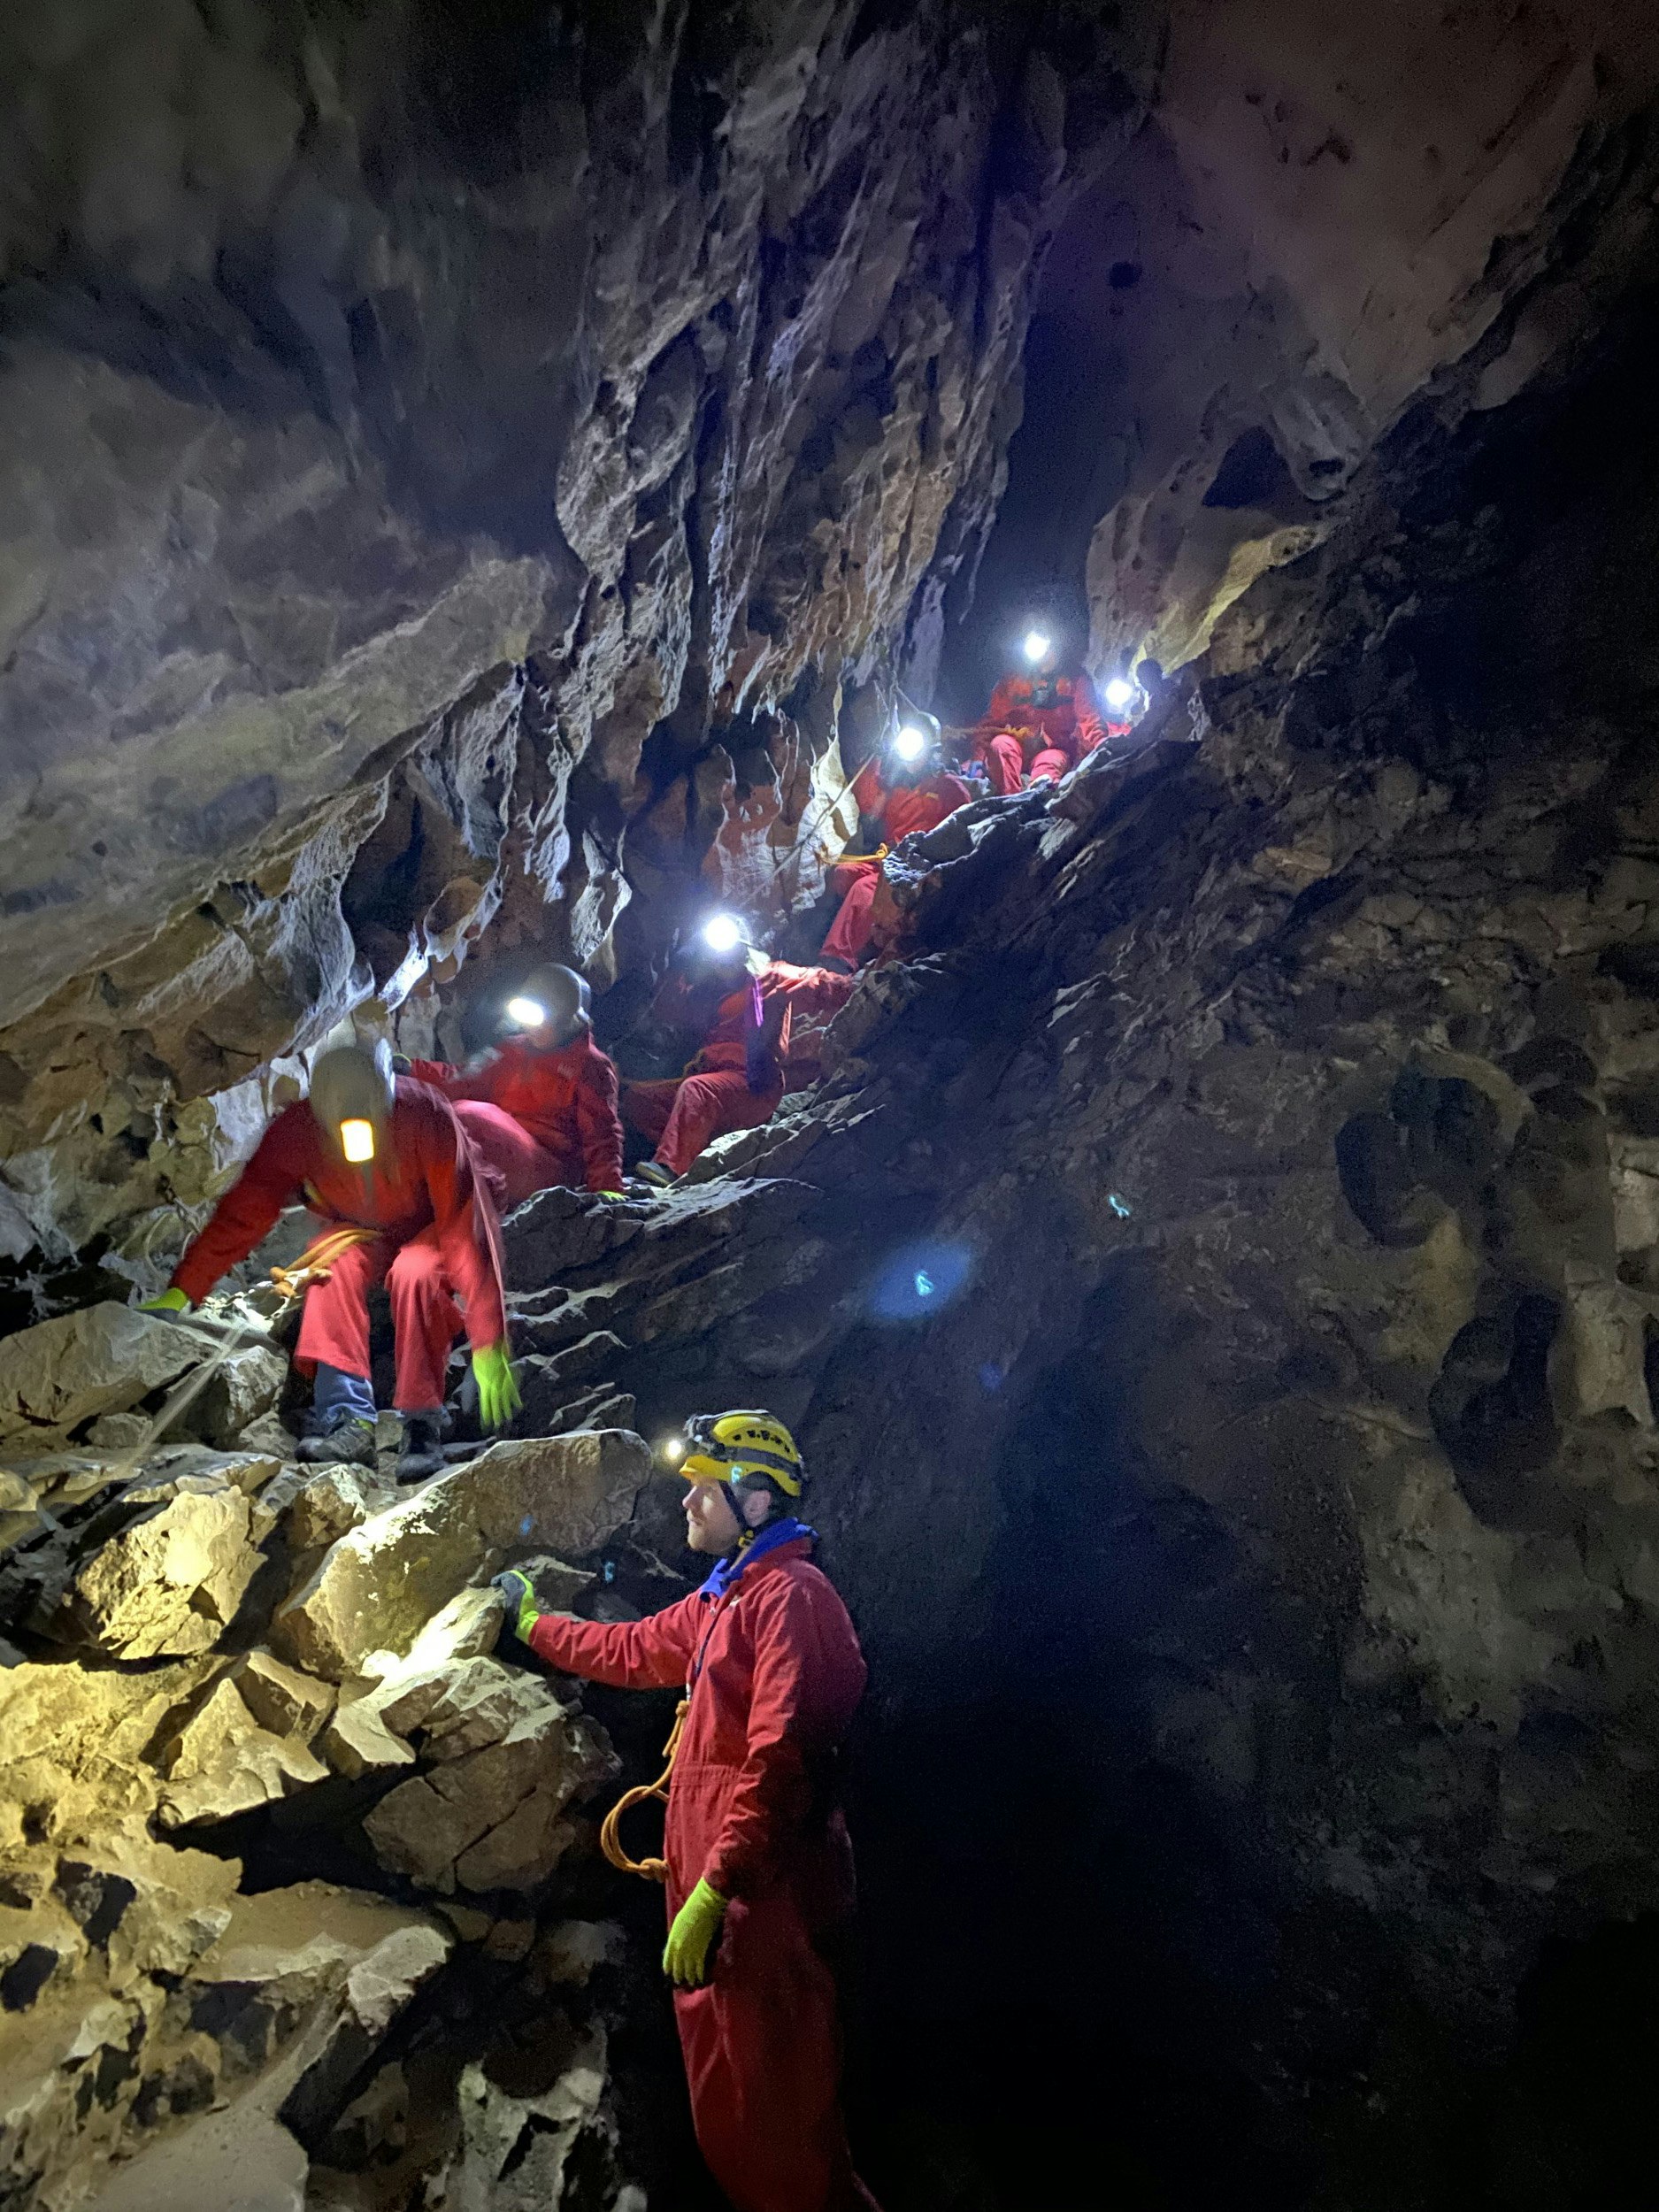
x,y
654,1173
347,1441
423,1448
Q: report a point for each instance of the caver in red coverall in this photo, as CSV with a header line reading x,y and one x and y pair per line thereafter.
x,y
539,1116
775,1672
752,1053
438,1238
905,810
1061,722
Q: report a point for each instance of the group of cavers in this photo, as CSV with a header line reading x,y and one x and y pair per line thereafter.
x,y
410,1164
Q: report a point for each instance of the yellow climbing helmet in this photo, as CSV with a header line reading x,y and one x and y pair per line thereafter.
x,y
730,1447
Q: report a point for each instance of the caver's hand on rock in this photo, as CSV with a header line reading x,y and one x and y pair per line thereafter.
x,y
169,1301
522,1612
498,1398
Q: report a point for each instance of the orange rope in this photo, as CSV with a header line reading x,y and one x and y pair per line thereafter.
x,y
610,1841
316,1263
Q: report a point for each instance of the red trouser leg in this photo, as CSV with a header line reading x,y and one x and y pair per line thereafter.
x,y
424,1322
1006,763
521,1166
334,1320
850,933
761,2046
647,1106
1051,764
708,1106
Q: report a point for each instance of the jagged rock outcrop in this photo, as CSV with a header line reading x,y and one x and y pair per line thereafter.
x,y
455,408
174,2028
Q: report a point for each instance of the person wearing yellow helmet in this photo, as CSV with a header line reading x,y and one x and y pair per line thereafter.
x,y
759,1863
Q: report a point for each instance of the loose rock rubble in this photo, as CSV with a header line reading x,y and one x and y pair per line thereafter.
x,y
204,1637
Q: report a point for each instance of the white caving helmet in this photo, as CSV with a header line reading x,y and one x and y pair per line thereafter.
x,y
351,1099
554,998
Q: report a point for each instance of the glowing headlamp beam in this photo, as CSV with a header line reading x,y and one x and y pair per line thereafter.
x,y
529,1013
1119,692
356,1141
911,743
1037,643
723,932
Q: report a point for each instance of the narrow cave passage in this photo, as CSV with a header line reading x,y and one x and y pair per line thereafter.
x,y
487,501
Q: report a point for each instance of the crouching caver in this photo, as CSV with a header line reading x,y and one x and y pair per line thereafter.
x,y
386,1156
759,1865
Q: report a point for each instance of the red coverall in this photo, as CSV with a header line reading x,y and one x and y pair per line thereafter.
x,y
439,1239
538,1118
775,1672
686,1112
1060,713
903,812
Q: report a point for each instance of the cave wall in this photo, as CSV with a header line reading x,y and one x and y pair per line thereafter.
x,y
407,417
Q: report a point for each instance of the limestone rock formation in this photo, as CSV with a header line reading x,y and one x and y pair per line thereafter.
x,y
378,1585
102,1359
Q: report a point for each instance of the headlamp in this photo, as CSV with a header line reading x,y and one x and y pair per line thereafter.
x,y
674,1449
1119,692
528,1013
911,743
356,1141
723,932
1037,643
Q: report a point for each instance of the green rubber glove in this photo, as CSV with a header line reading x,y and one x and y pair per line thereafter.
x,y
498,1398
522,1612
169,1301
609,1194
696,1924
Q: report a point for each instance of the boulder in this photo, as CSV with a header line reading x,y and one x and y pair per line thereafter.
x,y
102,1359
223,1762
282,1699
169,1584
357,1741
491,1820
244,1388
329,1505
380,1585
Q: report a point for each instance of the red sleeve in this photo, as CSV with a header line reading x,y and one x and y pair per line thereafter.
x,y
809,1676
866,787
438,1073
598,1124
274,1178
1000,713
465,1216
821,991
1091,731
650,1654
480,1079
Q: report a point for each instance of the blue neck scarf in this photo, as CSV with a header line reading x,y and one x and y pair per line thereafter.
x,y
726,1570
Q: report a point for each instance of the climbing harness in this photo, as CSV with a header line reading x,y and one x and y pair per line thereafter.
x,y
611,1841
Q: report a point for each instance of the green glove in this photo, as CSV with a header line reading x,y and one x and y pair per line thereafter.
x,y
696,1924
609,1194
169,1301
522,1610
498,1398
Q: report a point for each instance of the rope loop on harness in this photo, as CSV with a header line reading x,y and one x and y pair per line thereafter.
x,y
611,1841
316,1263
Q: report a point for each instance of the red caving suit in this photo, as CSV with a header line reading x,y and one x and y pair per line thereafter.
x,y
906,810
714,1097
538,1118
1063,721
438,1238
775,1672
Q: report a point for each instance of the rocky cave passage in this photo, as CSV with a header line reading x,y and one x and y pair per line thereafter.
x,y
473,483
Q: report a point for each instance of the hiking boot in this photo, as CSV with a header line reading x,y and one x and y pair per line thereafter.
x,y
656,1175
423,1448
347,1441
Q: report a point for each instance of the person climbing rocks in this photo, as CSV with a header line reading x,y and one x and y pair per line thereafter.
x,y
1041,721
542,1108
904,796
385,1153
759,1866
748,1012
